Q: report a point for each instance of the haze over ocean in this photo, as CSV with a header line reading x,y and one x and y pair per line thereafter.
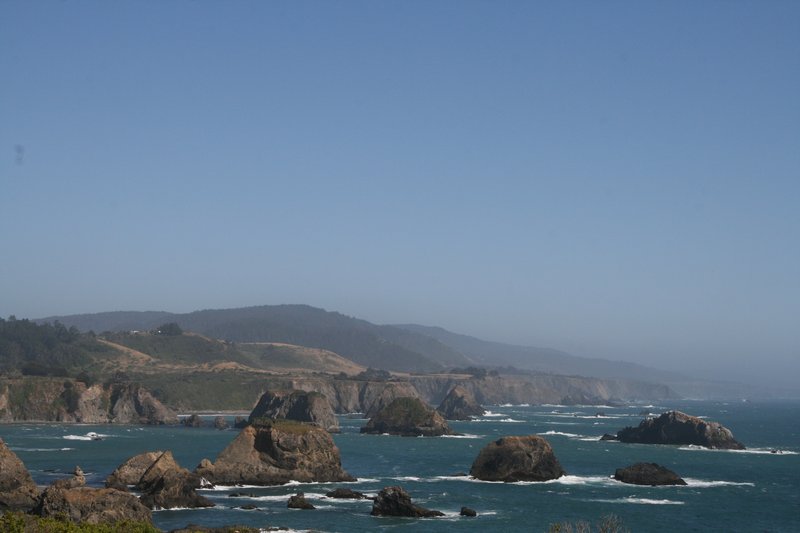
x,y
615,180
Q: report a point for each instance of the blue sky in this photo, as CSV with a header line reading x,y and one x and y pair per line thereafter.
x,y
614,179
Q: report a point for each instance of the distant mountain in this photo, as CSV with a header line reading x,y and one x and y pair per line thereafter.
x,y
540,359
384,347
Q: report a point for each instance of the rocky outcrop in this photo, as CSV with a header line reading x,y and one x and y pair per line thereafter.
x,y
166,485
65,400
408,417
276,453
460,404
130,472
301,406
17,489
675,427
192,421
648,474
298,501
528,458
394,501
91,506
466,511
220,423
163,483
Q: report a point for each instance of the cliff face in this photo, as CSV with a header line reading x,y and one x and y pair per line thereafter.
x,y
357,396
538,389
65,400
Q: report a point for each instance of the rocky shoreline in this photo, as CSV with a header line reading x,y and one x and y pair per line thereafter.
x,y
277,450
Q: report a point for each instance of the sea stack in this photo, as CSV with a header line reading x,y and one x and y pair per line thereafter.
x,y
460,404
274,453
301,406
408,417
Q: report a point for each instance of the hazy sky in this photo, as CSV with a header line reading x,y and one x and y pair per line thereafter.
x,y
614,179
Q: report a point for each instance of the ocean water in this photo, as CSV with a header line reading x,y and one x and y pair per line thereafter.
x,y
752,490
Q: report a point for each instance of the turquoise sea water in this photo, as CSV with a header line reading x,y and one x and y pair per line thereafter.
x,y
752,490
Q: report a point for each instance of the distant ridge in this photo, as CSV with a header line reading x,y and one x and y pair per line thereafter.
x,y
405,348
541,359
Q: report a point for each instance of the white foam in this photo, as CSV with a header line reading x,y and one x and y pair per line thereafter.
x,y
582,480
466,436
489,414
645,501
43,449
700,483
757,451
506,420
89,436
562,434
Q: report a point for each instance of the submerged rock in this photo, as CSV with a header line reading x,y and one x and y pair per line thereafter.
x,y
648,474
276,453
394,501
460,404
17,489
297,405
408,417
528,458
78,479
346,494
298,501
675,427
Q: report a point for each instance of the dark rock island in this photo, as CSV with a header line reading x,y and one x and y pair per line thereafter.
x,y
675,427
395,501
648,474
525,458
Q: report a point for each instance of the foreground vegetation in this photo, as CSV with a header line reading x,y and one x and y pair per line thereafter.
x,y
16,522
606,524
